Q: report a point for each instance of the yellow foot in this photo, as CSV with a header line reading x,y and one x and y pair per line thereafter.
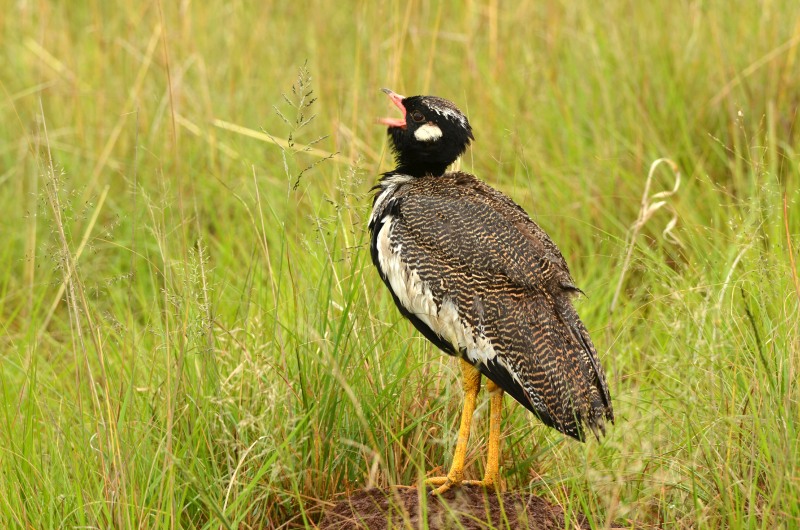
x,y
439,484
446,483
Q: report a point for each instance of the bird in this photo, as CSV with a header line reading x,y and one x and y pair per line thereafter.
x,y
483,282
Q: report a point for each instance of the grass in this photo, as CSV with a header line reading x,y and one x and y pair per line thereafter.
x,y
193,335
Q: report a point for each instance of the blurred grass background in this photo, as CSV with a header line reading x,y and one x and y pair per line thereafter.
x,y
192,333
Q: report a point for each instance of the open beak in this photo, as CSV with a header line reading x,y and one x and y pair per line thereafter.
x,y
397,99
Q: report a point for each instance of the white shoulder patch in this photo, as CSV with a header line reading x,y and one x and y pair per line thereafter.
x,y
395,180
389,185
428,133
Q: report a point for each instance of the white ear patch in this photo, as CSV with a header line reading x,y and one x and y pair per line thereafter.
x,y
428,133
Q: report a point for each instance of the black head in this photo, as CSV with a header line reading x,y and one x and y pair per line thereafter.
x,y
430,136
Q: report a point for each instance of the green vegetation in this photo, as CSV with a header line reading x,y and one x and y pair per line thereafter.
x,y
192,334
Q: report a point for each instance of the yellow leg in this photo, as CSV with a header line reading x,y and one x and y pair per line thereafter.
x,y
472,383
491,478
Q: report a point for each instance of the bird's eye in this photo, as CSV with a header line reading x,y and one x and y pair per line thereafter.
x,y
417,116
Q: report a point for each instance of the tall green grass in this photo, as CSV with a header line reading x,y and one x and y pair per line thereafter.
x,y
193,336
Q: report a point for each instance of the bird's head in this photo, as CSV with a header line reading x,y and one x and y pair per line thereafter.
x,y
430,136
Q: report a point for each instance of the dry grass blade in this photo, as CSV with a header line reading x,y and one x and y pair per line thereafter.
x,y
646,211
313,151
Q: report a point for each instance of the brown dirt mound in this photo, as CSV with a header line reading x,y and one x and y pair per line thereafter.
x,y
467,508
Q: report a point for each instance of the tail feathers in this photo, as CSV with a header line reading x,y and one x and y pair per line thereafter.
x,y
552,368
588,392
600,386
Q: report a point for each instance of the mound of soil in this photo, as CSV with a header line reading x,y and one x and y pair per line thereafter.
x,y
467,507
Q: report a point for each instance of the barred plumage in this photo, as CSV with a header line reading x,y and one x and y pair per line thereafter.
x,y
478,277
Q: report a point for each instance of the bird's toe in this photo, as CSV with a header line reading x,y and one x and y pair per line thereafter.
x,y
441,485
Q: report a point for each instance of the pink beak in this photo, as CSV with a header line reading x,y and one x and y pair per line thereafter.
x,y
397,99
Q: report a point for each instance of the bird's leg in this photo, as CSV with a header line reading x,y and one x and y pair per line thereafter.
x,y
472,383
491,478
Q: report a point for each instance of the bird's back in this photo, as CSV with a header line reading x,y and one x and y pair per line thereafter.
x,y
482,281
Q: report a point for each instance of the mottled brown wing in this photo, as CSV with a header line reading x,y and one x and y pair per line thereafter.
x,y
512,288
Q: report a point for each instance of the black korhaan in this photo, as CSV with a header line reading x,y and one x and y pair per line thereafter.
x,y
482,281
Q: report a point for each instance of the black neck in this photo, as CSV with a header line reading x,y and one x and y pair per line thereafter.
x,y
416,170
